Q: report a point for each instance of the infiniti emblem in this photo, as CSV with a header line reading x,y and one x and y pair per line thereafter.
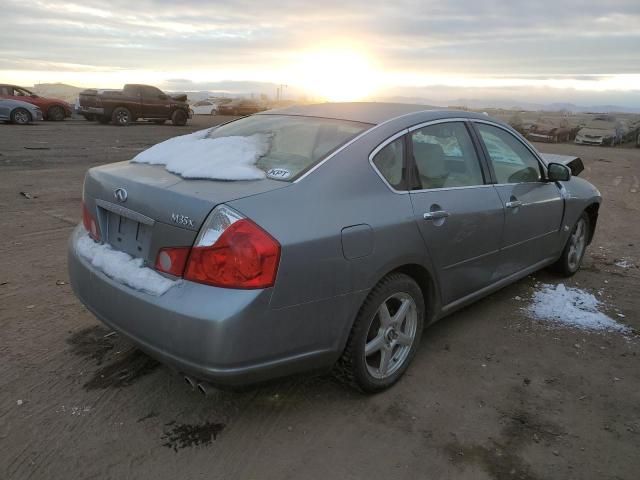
x,y
120,194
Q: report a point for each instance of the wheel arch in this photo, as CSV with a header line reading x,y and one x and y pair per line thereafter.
x,y
592,212
425,280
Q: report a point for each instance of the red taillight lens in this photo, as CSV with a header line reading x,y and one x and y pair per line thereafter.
x,y
243,256
90,224
172,260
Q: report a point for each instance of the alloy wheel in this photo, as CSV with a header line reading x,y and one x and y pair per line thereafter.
x,y
391,335
577,243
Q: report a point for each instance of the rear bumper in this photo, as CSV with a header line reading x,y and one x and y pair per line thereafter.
x,y
91,110
224,336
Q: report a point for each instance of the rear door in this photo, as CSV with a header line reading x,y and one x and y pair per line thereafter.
x,y
533,206
459,214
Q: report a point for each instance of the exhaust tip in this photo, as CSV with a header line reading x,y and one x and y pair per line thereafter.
x,y
202,389
190,382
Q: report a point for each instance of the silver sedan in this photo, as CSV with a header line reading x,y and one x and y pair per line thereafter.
x,y
18,112
347,231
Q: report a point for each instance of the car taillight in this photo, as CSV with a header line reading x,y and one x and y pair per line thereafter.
x,y
231,251
172,260
90,224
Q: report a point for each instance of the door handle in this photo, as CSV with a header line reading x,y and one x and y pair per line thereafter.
x,y
513,204
436,215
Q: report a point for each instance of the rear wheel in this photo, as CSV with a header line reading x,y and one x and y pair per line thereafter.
x,y
179,118
385,335
20,116
571,259
121,116
55,113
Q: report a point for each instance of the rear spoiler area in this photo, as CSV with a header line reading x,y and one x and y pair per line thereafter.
x,y
574,163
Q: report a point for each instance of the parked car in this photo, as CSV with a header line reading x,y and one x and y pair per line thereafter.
x,y
320,236
51,108
602,130
241,107
18,112
204,107
552,132
133,102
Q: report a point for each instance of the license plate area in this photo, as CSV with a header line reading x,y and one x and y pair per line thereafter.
x,y
128,235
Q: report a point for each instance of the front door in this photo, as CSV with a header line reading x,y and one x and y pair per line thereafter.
x,y
533,206
155,103
460,216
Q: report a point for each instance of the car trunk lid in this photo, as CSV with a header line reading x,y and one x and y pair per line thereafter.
x,y
142,208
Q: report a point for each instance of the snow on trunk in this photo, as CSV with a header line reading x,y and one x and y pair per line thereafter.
x,y
122,267
572,307
197,156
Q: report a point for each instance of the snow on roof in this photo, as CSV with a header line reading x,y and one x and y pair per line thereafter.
x,y
198,156
122,268
572,307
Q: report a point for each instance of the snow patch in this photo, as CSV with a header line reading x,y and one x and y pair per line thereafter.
x,y
122,268
572,307
197,156
624,263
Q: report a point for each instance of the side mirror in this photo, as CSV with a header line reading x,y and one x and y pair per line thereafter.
x,y
557,172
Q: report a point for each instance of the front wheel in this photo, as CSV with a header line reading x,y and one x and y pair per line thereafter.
x,y
55,113
385,335
571,259
20,116
179,118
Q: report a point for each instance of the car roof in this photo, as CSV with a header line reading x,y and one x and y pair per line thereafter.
x,y
367,112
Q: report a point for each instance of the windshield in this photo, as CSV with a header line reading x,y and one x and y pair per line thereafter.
x,y
296,143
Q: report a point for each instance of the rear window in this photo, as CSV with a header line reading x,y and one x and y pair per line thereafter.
x,y
297,143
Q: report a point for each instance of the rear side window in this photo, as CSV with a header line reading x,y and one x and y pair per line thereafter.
x,y
445,156
512,162
390,160
296,143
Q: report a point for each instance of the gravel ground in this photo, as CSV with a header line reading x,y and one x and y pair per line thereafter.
x,y
492,393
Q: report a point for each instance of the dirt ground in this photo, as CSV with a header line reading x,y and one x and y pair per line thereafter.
x,y
492,393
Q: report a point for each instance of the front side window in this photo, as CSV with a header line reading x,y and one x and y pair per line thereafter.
x,y
512,162
445,156
389,162
296,143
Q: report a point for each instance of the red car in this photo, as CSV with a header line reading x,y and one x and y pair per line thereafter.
x,y
52,109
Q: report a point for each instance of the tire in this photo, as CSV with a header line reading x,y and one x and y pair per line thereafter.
x,y
573,253
55,113
21,116
103,119
179,118
121,117
397,343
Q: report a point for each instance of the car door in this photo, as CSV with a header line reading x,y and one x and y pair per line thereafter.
x,y
155,103
459,214
533,206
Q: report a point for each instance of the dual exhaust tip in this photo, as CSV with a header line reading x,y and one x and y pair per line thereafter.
x,y
203,388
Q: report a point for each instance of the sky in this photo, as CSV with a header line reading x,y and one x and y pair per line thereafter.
x,y
586,52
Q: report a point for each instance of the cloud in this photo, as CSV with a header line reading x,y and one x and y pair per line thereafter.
x,y
254,40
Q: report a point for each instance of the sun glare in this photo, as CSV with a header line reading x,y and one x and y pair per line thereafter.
x,y
336,75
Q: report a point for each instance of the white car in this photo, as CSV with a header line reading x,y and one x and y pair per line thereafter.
x,y
204,107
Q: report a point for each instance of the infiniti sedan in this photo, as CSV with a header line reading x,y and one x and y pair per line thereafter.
x,y
320,236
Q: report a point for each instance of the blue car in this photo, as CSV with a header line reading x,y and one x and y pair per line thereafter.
x,y
18,112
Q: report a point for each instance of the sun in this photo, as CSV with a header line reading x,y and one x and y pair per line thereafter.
x,y
335,75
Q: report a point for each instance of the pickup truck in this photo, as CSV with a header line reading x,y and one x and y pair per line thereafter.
x,y
122,107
